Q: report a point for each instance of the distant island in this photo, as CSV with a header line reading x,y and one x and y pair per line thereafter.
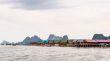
x,y
98,40
100,37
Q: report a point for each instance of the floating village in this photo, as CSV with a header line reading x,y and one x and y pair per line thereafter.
x,y
98,40
74,43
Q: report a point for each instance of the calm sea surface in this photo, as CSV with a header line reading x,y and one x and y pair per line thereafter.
x,y
34,53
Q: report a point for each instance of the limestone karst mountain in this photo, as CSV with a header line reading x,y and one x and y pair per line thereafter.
x,y
100,37
5,42
29,40
35,38
65,37
54,37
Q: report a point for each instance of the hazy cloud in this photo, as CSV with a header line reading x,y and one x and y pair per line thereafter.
x,y
31,4
80,18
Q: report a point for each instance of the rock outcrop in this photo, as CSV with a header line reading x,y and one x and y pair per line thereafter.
x,y
54,37
100,37
29,40
65,37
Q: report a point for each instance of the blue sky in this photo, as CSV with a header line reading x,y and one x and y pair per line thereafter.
x,y
76,18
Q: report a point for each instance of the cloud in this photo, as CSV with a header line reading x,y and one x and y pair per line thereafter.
x,y
81,20
31,4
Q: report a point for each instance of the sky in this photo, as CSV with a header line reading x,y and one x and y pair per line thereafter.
x,y
79,19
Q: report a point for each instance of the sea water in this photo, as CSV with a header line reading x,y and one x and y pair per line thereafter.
x,y
35,53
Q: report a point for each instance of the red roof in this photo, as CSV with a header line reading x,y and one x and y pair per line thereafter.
x,y
99,41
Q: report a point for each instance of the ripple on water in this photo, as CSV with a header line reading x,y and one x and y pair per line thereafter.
x,y
28,53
